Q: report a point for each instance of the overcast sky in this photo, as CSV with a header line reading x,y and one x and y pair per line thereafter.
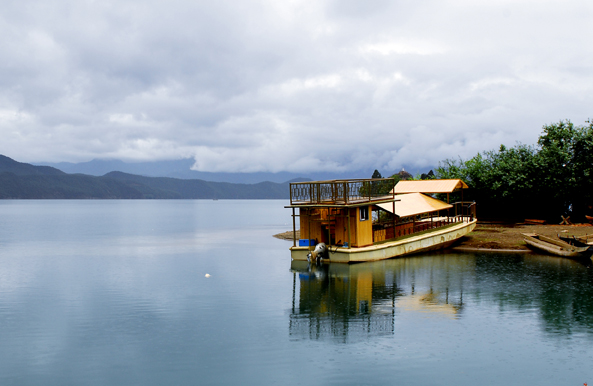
x,y
289,85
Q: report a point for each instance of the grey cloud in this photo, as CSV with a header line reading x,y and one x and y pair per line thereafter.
x,y
289,86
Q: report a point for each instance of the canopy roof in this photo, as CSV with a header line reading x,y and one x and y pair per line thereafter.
x,y
429,186
412,204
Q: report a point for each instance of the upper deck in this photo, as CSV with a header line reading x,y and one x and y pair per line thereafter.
x,y
341,193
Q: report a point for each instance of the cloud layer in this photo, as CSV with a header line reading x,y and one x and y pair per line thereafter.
x,y
288,86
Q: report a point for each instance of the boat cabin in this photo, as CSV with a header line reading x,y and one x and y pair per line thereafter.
x,y
365,212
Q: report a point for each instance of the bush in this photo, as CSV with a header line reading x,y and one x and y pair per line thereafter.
x,y
543,181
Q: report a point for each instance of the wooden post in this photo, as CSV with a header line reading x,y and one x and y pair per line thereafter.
x,y
318,192
394,218
309,230
334,192
462,214
348,218
329,226
294,228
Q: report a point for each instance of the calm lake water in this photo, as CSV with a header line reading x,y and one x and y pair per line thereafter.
x,y
115,293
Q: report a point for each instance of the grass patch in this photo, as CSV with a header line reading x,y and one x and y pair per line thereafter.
x,y
483,239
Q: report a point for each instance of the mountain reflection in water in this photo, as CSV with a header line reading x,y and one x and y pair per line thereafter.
x,y
352,302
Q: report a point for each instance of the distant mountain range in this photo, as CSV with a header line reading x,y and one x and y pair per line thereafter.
x,y
25,181
182,169
100,179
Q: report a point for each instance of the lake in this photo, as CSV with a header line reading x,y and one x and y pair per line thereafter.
x,y
115,292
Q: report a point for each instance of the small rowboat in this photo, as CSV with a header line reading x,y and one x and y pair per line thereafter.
x,y
555,247
577,242
585,239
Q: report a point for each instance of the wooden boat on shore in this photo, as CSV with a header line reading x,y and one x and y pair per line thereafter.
x,y
585,239
555,247
577,241
368,220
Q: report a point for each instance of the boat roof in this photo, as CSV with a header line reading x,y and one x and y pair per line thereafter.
x,y
411,204
429,186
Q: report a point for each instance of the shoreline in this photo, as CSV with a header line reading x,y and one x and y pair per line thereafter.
x,y
507,238
478,249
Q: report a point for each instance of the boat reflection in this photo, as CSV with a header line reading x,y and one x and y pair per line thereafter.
x,y
346,302
350,302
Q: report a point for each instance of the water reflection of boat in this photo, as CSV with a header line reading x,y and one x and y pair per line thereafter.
x,y
350,303
346,302
333,302
430,302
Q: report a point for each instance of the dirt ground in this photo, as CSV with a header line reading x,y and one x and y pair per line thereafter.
x,y
494,236
509,236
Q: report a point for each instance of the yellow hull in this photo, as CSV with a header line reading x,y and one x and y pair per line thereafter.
x,y
439,238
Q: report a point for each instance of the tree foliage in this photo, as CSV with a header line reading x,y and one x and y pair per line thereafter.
x,y
378,188
543,181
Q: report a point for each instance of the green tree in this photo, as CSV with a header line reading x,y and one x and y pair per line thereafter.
x,y
567,156
544,181
377,188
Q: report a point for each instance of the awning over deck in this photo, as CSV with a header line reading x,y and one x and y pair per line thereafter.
x,y
429,186
412,204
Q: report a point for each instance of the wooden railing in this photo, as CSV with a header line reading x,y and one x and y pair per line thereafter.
x,y
341,192
387,232
464,209
409,228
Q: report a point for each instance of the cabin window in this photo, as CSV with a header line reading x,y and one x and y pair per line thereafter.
x,y
364,214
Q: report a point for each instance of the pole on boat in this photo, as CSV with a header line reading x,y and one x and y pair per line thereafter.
x,y
329,236
393,217
349,242
309,229
462,214
293,228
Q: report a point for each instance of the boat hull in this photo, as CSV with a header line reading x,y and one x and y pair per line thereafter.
x,y
555,247
574,241
437,239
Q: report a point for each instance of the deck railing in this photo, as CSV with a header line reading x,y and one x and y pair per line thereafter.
x,y
409,228
464,209
341,192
